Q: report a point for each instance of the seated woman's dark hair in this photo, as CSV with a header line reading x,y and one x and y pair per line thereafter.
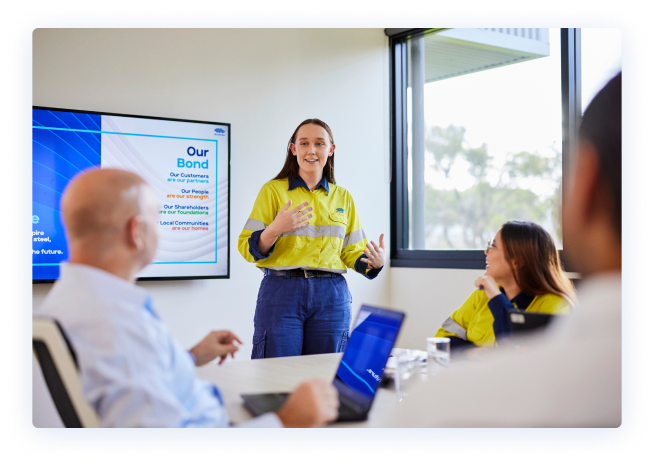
x,y
539,269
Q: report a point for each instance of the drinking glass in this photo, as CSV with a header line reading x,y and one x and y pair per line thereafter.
x,y
407,370
438,354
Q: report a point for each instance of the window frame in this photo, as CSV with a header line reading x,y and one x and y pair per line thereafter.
x,y
401,255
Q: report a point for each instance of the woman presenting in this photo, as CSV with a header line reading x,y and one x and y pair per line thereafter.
x,y
303,232
523,274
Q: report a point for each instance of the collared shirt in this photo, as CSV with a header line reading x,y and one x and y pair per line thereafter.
x,y
478,318
133,373
299,182
333,241
519,303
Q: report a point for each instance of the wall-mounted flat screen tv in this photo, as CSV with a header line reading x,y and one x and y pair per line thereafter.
x,y
186,163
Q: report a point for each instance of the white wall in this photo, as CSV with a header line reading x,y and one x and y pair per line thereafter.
x,y
263,82
428,297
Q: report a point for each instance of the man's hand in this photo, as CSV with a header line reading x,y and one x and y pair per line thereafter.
x,y
312,404
217,343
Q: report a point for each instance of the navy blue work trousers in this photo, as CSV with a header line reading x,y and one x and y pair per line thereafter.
x,y
296,316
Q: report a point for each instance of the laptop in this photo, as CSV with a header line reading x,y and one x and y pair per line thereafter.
x,y
361,368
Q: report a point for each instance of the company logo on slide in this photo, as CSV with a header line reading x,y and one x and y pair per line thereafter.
x,y
219,131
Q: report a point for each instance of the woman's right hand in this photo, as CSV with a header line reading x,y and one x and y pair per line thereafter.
x,y
288,221
285,221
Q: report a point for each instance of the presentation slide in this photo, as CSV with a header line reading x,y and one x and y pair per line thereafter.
x,y
186,163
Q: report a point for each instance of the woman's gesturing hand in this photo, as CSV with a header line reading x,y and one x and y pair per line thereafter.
x,y
285,221
290,220
375,253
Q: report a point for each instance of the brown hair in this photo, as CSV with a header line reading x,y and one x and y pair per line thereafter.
x,y
601,125
291,167
539,268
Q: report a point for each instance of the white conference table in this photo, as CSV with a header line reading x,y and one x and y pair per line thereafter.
x,y
283,375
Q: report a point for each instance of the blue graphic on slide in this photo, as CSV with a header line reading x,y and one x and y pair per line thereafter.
x,y
367,351
178,159
58,155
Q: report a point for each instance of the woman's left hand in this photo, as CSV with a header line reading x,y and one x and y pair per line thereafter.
x,y
375,253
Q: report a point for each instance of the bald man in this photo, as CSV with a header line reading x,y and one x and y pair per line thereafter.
x,y
133,373
572,378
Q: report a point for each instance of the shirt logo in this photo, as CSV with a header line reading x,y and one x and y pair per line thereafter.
x,y
340,210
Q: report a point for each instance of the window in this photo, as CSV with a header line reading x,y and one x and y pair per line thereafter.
x,y
601,59
482,125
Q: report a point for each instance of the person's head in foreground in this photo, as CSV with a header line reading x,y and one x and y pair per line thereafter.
x,y
111,221
592,205
133,372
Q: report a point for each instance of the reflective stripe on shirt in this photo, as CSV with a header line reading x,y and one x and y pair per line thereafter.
x,y
451,326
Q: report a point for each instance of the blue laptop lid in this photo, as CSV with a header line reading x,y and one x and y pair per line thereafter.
x,y
362,365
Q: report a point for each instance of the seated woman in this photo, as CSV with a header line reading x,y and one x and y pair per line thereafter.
x,y
523,273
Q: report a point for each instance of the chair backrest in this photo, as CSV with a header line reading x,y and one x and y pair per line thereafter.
x,y
59,366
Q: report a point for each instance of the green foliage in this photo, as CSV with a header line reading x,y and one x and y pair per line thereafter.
x,y
467,219
526,164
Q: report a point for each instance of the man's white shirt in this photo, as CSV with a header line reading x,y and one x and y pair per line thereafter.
x,y
133,373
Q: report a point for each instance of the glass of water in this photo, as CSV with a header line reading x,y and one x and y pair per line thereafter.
x,y
407,370
438,354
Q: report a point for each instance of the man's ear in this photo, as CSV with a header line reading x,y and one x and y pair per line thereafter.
x,y
134,232
587,183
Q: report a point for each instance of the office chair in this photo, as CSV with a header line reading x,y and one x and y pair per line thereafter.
x,y
59,366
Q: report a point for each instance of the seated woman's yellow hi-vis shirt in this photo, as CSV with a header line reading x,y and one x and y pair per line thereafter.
x,y
479,321
333,241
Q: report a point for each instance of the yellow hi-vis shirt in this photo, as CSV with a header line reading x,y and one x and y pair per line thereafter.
x,y
333,241
473,321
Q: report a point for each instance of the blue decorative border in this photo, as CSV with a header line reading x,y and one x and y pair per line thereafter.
x,y
158,136
324,442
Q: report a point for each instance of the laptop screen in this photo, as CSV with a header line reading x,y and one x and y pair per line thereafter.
x,y
371,341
